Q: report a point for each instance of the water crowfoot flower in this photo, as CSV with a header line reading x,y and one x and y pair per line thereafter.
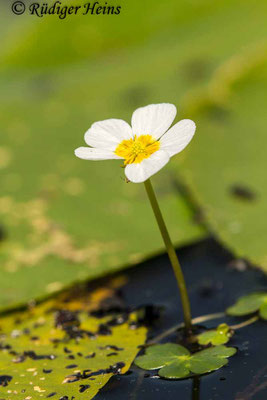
x,y
145,147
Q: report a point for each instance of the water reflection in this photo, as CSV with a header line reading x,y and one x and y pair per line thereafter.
x,y
196,388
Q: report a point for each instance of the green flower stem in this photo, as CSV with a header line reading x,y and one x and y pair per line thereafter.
x,y
172,255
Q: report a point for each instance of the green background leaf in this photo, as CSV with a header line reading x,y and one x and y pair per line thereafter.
x,y
225,166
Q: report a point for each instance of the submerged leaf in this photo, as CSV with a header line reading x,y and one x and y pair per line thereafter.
x,y
58,349
248,304
218,336
176,362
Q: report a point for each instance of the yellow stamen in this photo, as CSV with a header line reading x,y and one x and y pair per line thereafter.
x,y
137,149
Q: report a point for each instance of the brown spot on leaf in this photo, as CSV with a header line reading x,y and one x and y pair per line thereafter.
x,y
5,379
83,388
243,192
104,330
66,317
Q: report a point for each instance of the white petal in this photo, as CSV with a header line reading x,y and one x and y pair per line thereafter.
x,y
87,153
108,134
154,119
178,137
140,172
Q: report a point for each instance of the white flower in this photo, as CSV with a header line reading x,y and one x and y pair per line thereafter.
x,y
145,147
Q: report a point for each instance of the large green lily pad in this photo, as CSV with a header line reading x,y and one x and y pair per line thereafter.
x,y
56,349
225,167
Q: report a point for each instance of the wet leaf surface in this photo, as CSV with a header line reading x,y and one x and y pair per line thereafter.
x,y
176,362
216,337
63,350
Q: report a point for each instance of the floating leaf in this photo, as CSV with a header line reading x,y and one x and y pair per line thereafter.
x,y
249,304
210,359
57,350
176,362
178,369
159,355
216,337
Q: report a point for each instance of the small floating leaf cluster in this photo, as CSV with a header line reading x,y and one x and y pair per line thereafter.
x,y
175,361
216,337
249,304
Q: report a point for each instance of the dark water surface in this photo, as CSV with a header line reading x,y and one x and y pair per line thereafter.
x,y
214,284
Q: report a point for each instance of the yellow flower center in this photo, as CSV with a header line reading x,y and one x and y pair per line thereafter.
x,y
137,149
